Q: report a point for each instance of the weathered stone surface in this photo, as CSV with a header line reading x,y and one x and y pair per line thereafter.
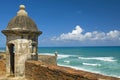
x,y
2,67
2,55
48,59
36,70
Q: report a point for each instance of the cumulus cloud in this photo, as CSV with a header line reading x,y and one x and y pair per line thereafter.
x,y
77,34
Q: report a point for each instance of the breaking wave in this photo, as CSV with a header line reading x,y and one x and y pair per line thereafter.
x,y
90,64
79,68
60,56
44,53
63,56
67,61
2,50
109,59
94,71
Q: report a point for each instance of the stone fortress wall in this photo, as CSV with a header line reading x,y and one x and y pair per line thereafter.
x,y
36,70
48,59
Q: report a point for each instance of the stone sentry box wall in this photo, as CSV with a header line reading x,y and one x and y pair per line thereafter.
x,y
2,67
36,70
18,50
21,44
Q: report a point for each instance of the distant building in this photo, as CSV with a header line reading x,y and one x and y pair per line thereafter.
x,y
21,44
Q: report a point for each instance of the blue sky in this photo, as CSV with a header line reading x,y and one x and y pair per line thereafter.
x,y
69,22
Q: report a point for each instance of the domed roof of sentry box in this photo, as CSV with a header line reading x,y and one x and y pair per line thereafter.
x,y
22,22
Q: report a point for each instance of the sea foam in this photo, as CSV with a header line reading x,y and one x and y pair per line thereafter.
x,y
60,56
63,56
46,54
91,64
67,62
94,71
109,59
2,50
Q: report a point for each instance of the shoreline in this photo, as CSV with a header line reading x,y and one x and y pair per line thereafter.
x,y
56,72
88,70
94,72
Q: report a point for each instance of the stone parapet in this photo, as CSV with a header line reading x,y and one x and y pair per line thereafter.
x,y
48,59
36,70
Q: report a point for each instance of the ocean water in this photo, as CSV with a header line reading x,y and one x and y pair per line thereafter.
x,y
102,60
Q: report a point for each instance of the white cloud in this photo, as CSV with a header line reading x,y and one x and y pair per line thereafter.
x,y
77,34
78,30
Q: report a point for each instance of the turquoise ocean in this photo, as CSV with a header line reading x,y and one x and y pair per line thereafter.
x,y
102,60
